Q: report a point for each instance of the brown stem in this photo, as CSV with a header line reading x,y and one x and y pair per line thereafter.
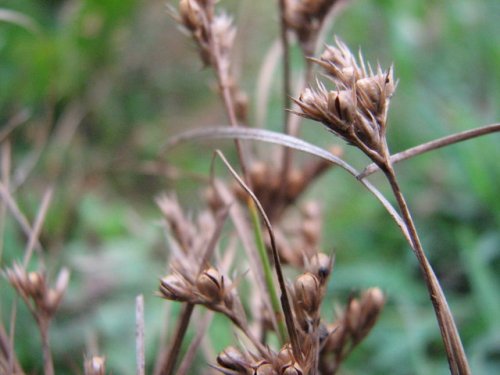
x,y
48,365
453,345
180,331
224,84
287,92
433,145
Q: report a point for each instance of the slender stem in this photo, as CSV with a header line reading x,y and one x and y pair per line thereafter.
x,y
224,84
48,365
139,334
285,44
287,92
266,265
433,145
285,302
180,331
454,349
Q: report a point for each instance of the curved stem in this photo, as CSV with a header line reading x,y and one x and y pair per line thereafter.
x,y
433,145
454,349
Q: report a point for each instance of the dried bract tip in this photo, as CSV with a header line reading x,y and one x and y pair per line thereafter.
x,y
232,359
95,366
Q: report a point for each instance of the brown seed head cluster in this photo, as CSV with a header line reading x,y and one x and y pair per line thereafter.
x,y
357,109
352,326
305,18
266,181
234,361
214,35
209,288
33,288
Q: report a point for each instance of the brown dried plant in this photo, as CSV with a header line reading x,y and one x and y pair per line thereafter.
x,y
280,328
355,109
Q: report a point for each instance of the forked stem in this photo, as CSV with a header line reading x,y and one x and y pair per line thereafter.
x,y
453,345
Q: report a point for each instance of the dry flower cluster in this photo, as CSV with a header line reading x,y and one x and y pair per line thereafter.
x,y
279,321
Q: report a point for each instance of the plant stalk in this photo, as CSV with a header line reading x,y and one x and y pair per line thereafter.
x,y
268,273
48,364
453,345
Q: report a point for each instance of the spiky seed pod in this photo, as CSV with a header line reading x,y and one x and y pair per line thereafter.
x,y
357,110
174,287
305,18
320,265
231,358
34,289
307,292
95,366
210,285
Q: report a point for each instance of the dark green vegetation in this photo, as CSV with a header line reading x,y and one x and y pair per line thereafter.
x,y
123,78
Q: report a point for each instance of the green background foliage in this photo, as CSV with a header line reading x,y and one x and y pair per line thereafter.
x,y
133,79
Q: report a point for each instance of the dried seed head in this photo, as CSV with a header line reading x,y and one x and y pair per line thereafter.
x,y
308,292
231,358
33,288
357,110
191,14
174,287
95,366
305,18
210,285
320,265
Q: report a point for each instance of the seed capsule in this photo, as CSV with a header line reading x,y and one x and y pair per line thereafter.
x,y
210,284
321,266
307,292
231,358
